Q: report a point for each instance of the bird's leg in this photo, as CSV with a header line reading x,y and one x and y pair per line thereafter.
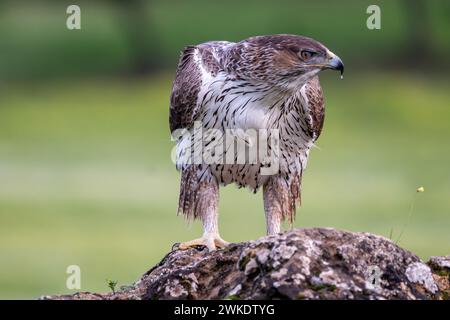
x,y
273,206
208,204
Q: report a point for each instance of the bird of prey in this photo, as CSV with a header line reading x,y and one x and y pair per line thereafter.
x,y
261,83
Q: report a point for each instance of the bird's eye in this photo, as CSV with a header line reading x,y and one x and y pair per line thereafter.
x,y
306,54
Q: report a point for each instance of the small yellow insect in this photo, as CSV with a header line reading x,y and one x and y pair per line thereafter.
x,y
420,189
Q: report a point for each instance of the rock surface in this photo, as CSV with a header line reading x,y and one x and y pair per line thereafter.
x,y
317,263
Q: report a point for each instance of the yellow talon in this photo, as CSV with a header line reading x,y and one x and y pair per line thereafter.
x,y
211,241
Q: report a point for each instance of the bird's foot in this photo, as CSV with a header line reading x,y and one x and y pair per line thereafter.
x,y
212,241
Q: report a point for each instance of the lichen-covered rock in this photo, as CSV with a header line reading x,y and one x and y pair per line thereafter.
x,y
318,263
440,267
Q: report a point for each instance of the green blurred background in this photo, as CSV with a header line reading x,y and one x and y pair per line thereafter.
x,y
85,170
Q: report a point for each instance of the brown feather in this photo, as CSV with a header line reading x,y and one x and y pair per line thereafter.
x,y
183,100
316,105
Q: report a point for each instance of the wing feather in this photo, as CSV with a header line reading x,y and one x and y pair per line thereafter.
x,y
197,65
316,105
186,86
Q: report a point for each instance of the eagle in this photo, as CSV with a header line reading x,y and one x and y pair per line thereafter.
x,y
229,90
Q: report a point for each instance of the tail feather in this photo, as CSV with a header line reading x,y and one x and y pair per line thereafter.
x,y
197,190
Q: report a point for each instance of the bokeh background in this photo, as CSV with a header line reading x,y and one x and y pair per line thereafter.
x,y
85,170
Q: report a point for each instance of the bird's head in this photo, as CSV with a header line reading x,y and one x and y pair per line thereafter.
x,y
287,61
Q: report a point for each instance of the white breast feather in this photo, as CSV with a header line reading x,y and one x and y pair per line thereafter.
x,y
230,104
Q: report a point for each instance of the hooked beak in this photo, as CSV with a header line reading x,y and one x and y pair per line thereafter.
x,y
334,62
